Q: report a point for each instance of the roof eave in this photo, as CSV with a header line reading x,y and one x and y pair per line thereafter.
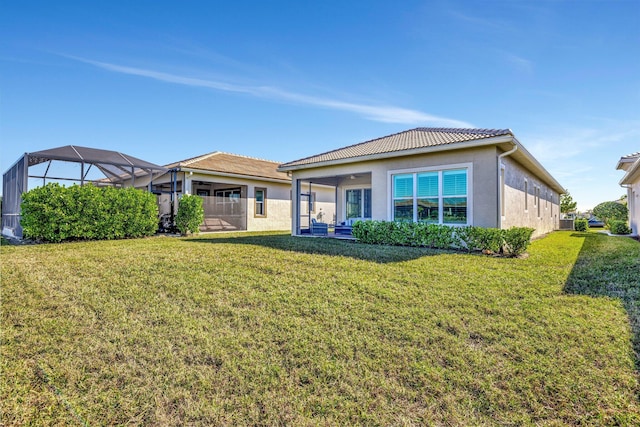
x,y
522,155
233,175
535,166
633,174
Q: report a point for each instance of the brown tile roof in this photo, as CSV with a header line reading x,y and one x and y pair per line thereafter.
x,y
402,141
233,164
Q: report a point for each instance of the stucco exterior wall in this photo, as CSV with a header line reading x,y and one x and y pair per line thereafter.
x,y
633,203
278,207
376,175
527,209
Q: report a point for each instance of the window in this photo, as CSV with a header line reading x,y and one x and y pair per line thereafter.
x,y
260,202
358,203
526,196
431,196
546,199
537,199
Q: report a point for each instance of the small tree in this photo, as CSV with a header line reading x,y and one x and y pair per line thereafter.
x,y
611,211
567,205
190,214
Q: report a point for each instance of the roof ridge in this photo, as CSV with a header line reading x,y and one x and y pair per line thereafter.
x,y
191,160
247,157
196,158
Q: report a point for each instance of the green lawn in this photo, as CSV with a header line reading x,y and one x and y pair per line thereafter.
x,y
269,329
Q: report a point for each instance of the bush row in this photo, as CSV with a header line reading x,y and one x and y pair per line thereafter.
x,y
511,242
54,213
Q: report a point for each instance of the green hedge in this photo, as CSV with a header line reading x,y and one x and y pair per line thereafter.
x,y
511,242
581,224
618,227
54,213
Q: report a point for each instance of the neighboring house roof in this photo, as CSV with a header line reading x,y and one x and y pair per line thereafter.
x,y
232,164
425,140
631,165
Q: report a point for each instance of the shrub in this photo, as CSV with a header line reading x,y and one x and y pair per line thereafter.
x,y
54,213
490,240
190,214
619,227
581,224
516,240
608,211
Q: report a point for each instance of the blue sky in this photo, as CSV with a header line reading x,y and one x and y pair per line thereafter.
x,y
281,80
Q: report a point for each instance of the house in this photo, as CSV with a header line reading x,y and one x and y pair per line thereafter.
x,y
482,177
239,192
631,181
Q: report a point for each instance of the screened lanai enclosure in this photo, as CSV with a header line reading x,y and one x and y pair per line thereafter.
x,y
70,164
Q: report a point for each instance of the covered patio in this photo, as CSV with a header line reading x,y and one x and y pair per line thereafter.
x,y
329,205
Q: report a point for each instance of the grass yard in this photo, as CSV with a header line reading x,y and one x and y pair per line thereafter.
x,y
272,330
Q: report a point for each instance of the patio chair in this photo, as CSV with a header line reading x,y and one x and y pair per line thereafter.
x,y
319,228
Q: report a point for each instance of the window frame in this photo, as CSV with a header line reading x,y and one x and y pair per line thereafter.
x,y
440,169
363,208
264,202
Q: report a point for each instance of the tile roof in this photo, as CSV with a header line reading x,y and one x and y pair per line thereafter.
x,y
233,164
402,141
631,156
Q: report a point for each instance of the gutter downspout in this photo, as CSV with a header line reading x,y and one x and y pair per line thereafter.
x,y
500,183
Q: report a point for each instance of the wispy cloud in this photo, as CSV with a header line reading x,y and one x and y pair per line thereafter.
x,y
380,113
520,63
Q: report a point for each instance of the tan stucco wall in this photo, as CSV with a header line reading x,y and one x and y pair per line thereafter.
x,y
278,207
545,217
484,178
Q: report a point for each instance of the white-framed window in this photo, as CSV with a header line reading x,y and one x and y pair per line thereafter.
x,y
537,199
260,200
357,203
432,195
526,195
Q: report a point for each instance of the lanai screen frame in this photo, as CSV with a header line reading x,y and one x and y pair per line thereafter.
x,y
119,170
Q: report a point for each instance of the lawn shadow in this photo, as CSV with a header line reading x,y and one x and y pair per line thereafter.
x,y
607,266
324,246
